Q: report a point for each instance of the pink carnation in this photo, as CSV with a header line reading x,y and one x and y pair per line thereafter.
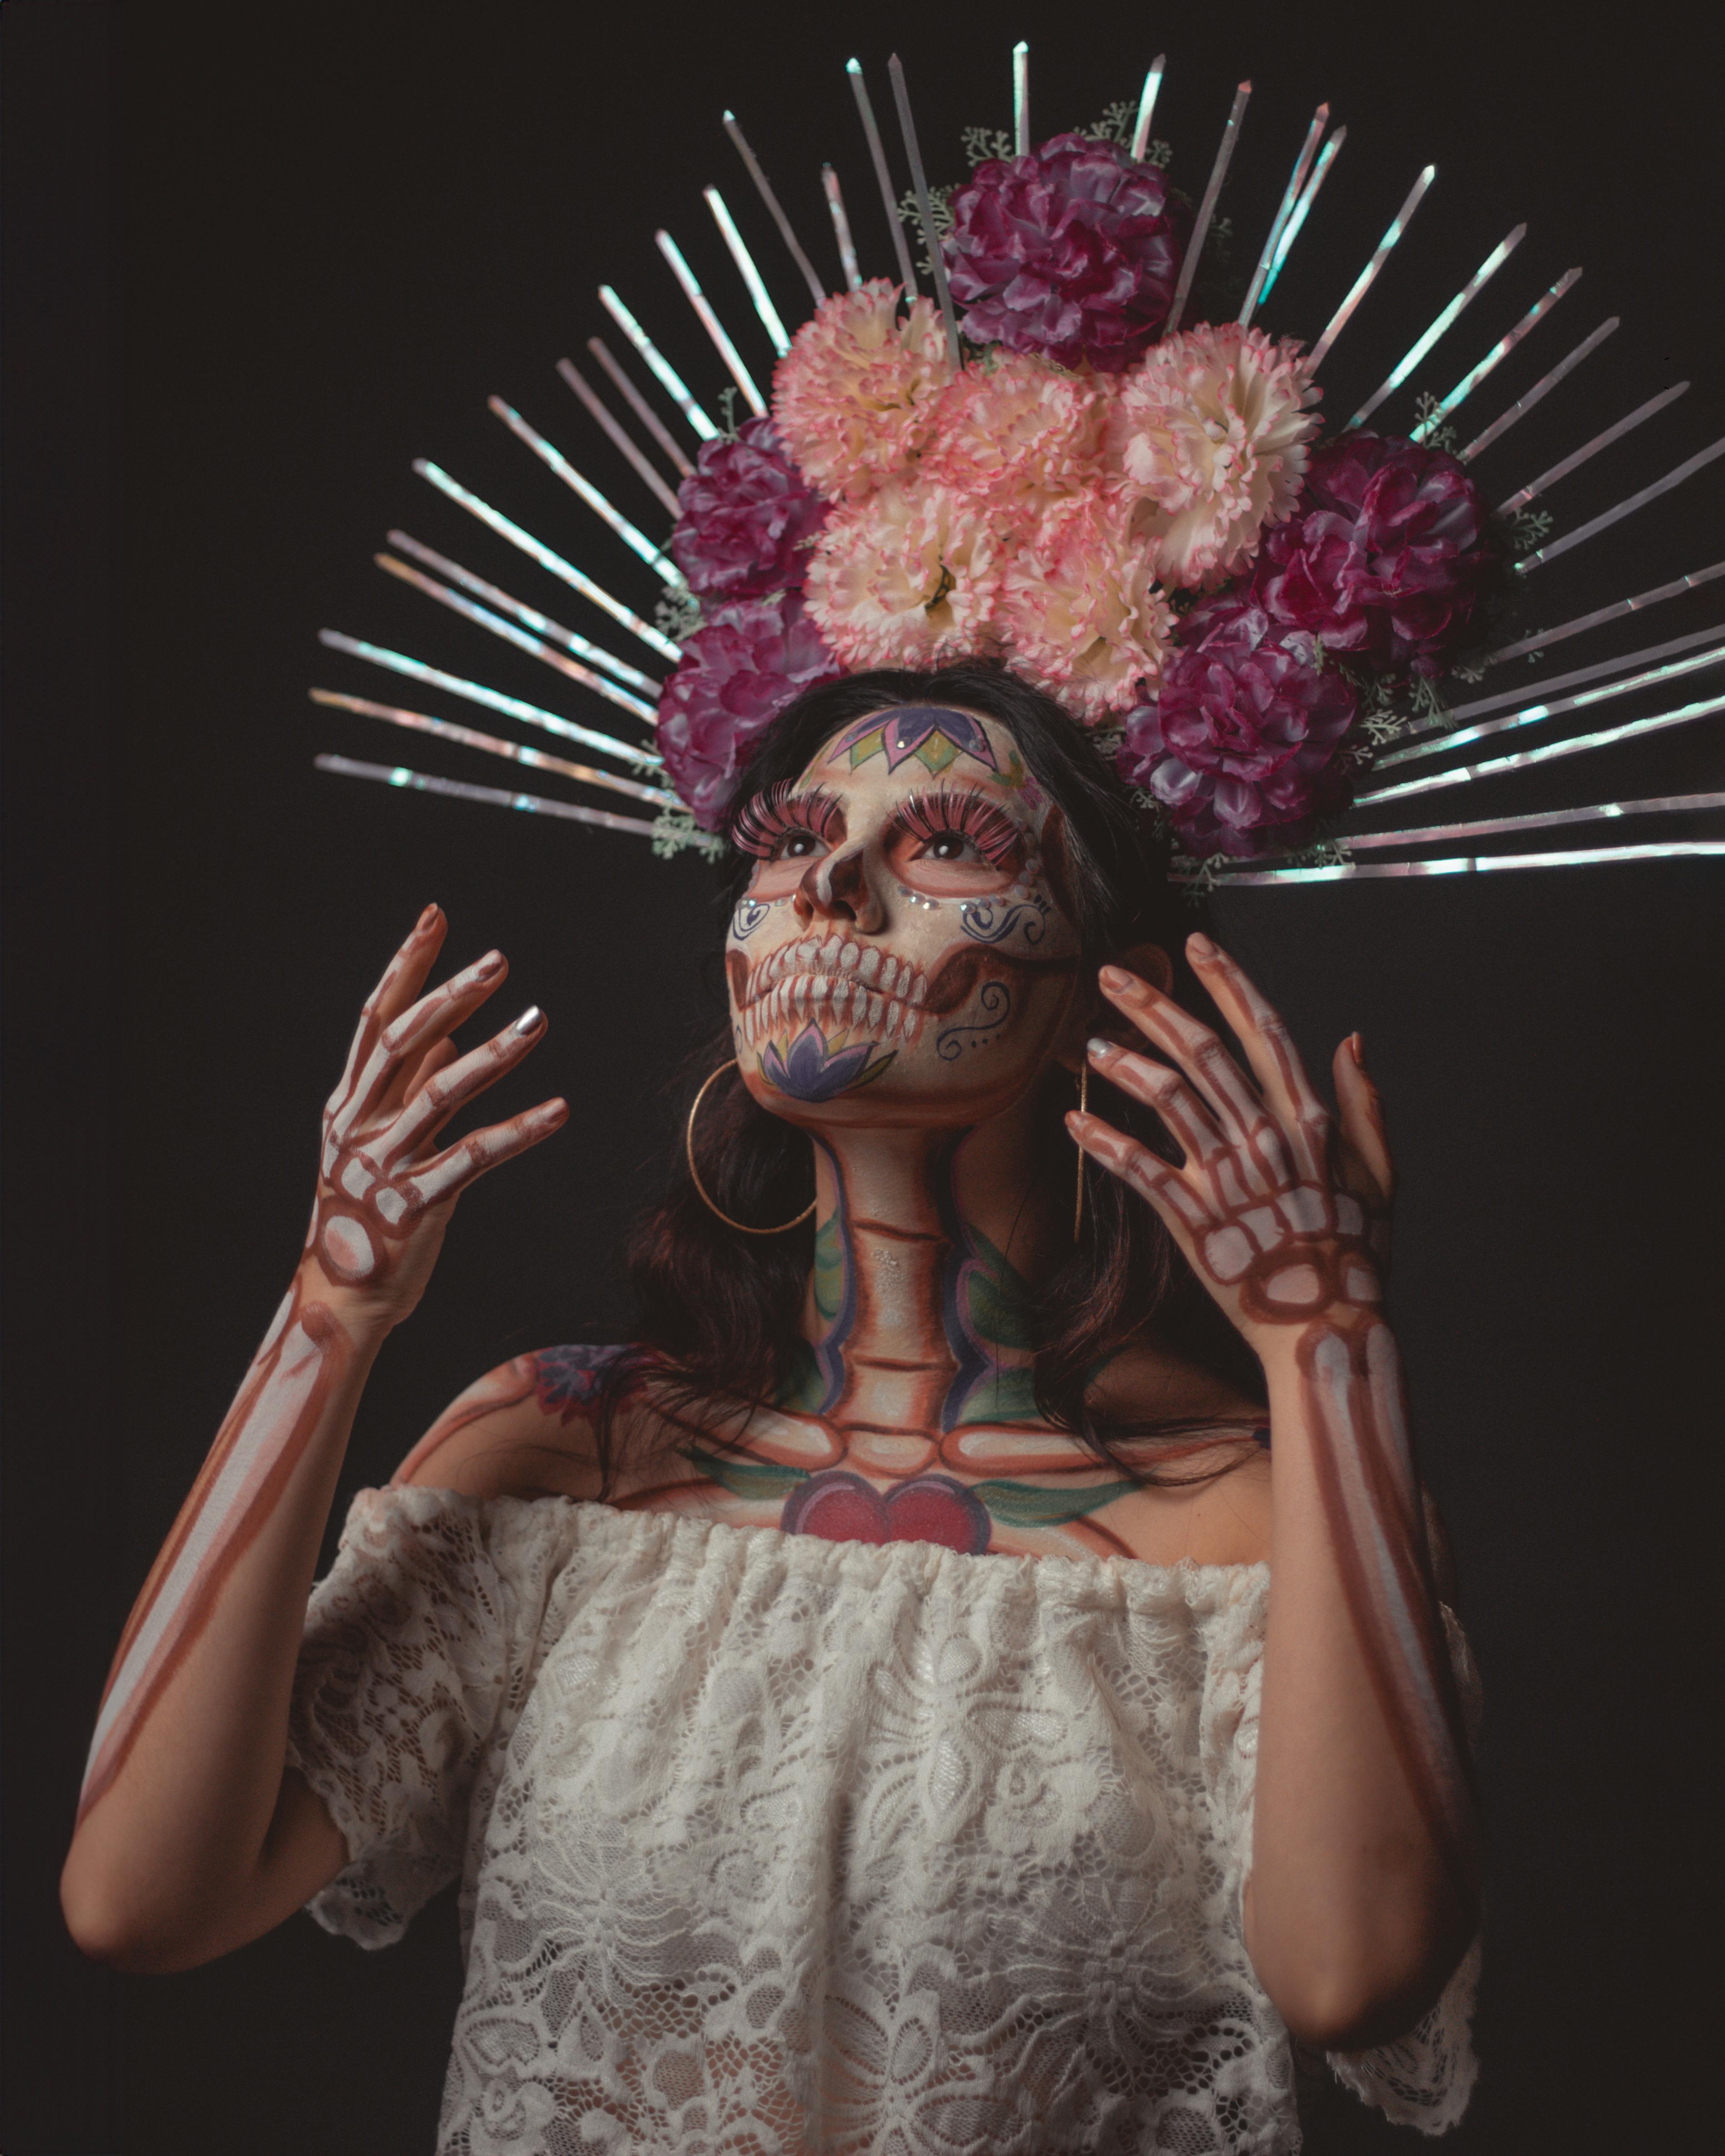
x,y
903,577
854,398
1017,433
1080,612
1209,433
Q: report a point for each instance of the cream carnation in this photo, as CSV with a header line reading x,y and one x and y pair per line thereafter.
x,y
1207,438
903,577
854,398
1018,434
1080,612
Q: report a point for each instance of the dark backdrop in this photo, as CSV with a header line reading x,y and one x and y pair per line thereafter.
x,y
258,258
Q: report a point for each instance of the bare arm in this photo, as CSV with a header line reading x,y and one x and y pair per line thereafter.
x,y
1364,1885
191,1837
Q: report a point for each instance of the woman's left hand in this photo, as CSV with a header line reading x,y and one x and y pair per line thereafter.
x,y
1282,1208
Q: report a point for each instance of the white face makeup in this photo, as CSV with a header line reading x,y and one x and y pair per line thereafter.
x,y
904,952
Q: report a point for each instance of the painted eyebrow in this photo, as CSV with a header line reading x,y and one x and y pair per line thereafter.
x,y
763,822
967,811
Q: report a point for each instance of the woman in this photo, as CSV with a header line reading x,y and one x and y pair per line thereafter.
x,y
895,1744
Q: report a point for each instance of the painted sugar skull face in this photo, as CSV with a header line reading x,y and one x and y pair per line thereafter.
x,y
905,951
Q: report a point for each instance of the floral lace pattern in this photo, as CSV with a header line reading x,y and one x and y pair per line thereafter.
x,y
770,1844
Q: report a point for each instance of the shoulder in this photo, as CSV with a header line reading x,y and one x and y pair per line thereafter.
x,y
527,1429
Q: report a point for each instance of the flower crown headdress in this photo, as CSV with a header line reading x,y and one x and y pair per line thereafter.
x,y
1057,462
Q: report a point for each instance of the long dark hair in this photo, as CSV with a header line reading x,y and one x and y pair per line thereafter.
x,y
721,1313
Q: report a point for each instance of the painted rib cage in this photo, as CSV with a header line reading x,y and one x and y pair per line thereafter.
x,y
1632,683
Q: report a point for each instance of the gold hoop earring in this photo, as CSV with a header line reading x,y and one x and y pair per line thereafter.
x,y
1083,1110
741,1226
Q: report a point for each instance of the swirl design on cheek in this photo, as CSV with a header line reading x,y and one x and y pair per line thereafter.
x,y
987,920
747,918
995,1002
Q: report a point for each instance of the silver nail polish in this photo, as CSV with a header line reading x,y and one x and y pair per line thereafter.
x,y
529,1020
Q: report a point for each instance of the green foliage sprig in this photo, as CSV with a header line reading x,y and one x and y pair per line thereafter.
x,y
675,831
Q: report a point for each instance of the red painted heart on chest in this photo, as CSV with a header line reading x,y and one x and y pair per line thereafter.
x,y
842,1507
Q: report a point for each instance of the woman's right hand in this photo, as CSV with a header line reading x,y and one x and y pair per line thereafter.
x,y
384,1195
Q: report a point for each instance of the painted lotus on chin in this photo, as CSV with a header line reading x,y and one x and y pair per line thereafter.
x,y
813,1070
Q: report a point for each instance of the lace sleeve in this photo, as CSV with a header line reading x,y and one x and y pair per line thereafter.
x,y
415,1662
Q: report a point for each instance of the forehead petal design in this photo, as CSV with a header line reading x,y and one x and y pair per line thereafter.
x,y
935,735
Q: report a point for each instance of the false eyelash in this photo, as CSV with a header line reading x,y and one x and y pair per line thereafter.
x,y
761,823
968,813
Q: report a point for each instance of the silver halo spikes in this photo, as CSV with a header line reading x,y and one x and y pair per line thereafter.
x,y
535,759
1600,615
889,201
841,231
710,322
759,295
638,405
1542,389
1624,662
619,436
668,379
1577,458
1469,291
925,207
1207,207
632,536
1369,276
398,775
1302,209
1542,819
1284,211
1147,106
1021,99
1622,509
1499,352
763,188
1475,863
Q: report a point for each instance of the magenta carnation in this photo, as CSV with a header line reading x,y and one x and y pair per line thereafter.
x,y
748,518
1070,253
1386,555
738,670
1243,743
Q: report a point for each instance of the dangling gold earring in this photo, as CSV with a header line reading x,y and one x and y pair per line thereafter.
x,y
1083,1110
742,1227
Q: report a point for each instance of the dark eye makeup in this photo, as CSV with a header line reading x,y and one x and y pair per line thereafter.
x,y
770,824
960,813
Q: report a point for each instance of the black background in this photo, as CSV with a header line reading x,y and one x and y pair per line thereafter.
x,y
257,259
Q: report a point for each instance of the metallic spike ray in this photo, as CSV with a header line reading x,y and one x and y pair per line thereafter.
x,y
418,781
1369,276
666,374
536,550
638,405
759,295
1207,207
1146,105
1624,662
710,322
618,436
877,153
1499,352
1469,291
925,207
476,692
1542,819
1480,864
1302,209
841,228
1540,389
1577,458
1600,615
529,617
1284,211
634,539
1604,522
534,759
763,188
1021,99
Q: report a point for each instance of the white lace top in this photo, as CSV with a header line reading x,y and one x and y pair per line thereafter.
x,y
771,1844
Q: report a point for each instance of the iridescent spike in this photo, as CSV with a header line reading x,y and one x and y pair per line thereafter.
x,y
1021,99
751,277
1369,276
636,541
925,207
638,405
710,322
397,774
1544,819
1675,589
889,201
1524,759
565,571
535,759
817,290
530,617
1534,488
1499,352
668,379
1284,210
618,436
841,228
1207,207
494,700
1147,106
1482,276
1611,517
1480,864
1649,677
1290,232
1624,663
483,618
1542,388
